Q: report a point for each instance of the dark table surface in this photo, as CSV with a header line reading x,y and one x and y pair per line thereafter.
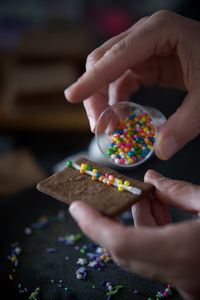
x,y
52,272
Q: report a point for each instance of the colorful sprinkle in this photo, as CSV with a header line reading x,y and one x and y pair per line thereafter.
x,y
106,178
34,295
70,239
97,259
133,140
69,163
81,273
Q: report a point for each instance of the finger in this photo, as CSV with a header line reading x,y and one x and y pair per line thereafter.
x,y
160,212
113,235
123,87
142,213
94,107
175,193
150,212
181,127
138,250
95,104
162,70
98,102
144,42
100,51
99,228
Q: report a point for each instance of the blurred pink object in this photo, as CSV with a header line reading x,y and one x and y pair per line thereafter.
x,y
111,21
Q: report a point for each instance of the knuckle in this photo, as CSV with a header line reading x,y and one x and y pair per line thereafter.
x,y
139,22
162,16
119,47
143,19
93,57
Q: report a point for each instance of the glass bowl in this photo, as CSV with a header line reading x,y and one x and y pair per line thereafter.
x,y
126,133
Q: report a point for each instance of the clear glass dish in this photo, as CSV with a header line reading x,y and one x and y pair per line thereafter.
x,y
126,133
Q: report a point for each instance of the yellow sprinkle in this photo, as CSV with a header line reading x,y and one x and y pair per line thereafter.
x,y
120,188
130,161
119,181
126,183
94,171
13,258
83,167
143,119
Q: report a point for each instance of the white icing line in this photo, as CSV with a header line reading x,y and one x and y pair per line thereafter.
x,y
130,189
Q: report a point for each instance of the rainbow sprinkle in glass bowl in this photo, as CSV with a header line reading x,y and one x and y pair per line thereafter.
x,y
126,133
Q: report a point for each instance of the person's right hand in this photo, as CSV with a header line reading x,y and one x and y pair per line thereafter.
x,y
153,248
162,49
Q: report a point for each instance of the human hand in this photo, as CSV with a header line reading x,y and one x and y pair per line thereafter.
x,y
153,248
162,49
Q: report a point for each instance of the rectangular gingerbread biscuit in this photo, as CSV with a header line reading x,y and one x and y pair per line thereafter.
x,y
69,185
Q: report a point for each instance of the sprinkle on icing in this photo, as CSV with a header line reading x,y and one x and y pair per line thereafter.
x,y
106,178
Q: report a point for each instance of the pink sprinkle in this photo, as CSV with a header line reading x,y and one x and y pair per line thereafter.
x,y
122,161
128,144
165,294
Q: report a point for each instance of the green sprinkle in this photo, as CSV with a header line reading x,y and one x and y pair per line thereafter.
x,y
109,151
69,163
33,295
88,168
114,290
77,237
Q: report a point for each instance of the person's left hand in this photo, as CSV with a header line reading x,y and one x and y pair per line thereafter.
x,y
153,248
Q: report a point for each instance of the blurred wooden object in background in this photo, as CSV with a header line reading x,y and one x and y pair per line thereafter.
x,y
18,170
35,76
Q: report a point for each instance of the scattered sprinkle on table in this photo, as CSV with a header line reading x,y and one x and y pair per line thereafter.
x,y
94,257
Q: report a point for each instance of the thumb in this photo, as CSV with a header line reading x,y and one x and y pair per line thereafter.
x,y
181,127
177,193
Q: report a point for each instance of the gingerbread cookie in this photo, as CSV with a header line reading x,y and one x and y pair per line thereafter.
x,y
106,189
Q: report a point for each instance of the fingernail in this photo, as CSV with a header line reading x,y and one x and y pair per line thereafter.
x,y
153,174
74,210
166,148
67,92
92,124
